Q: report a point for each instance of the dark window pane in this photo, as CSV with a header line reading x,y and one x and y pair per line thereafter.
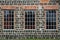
x,y
26,27
54,23
47,27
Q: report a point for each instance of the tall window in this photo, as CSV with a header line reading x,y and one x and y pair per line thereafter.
x,y
29,19
51,19
8,19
